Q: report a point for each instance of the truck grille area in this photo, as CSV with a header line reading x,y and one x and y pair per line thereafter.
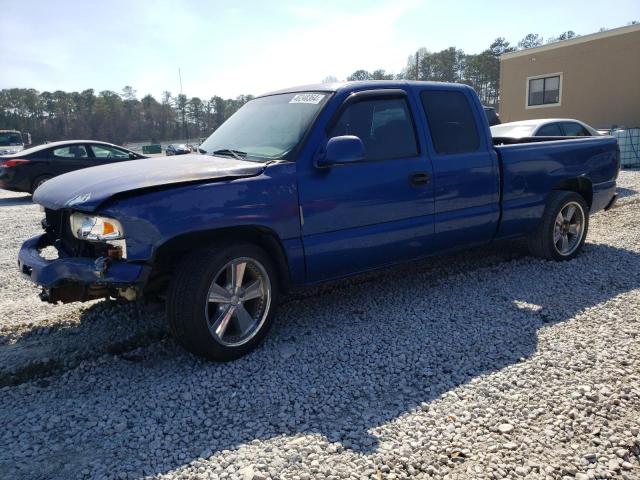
x,y
56,225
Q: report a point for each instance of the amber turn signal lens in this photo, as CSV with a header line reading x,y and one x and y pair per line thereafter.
x,y
108,228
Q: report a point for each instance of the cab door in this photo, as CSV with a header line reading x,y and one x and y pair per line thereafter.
x,y
465,168
360,216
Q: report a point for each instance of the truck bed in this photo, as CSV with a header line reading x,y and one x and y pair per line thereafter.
x,y
532,167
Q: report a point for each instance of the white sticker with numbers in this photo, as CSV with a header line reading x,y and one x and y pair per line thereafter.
x,y
313,98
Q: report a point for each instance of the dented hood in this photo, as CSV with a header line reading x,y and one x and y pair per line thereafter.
x,y
86,189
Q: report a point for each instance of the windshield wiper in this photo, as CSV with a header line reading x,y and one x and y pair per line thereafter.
x,y
238,155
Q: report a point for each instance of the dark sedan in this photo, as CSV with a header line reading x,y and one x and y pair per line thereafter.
x,y
27,170
177,149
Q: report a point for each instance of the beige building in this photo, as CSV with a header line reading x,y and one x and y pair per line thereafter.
x,y
594,78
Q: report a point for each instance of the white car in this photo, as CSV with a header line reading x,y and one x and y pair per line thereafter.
x,y
545,127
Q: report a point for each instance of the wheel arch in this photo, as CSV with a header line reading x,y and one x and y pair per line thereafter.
x,y
581,185
168,254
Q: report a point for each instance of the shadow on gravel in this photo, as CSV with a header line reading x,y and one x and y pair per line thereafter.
x,y
104,328
625,192
16,201
340,362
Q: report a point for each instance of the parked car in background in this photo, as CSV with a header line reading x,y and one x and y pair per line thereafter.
x,y
177,149
545,127
303,186
13,141
26,170
492,116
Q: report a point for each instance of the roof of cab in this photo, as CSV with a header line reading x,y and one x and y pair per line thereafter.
x,y
364,85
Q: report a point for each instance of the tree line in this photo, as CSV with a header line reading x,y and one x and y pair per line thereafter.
x,y
113,117
122,117
481,70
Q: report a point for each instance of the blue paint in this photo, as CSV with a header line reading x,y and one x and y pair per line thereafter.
x,y
357,215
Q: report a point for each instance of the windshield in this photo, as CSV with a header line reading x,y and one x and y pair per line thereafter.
x,y
9,139
515,131
267,128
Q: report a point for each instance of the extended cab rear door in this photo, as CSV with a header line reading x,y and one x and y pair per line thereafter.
x,y
465,167
379,211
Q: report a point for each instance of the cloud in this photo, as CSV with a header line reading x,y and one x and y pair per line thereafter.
x,y
335,44
222,50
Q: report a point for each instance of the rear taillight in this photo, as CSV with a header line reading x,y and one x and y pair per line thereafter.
x,y
13,162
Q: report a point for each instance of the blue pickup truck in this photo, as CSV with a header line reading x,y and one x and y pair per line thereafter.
x,y
306,185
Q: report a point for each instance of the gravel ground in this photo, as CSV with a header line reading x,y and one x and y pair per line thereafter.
x,y
484,364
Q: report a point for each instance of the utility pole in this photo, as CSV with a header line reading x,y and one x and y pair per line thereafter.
x,y
185,131
418,65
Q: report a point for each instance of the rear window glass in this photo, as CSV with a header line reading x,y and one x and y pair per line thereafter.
x,y
72,151
573,129
451,121
551,130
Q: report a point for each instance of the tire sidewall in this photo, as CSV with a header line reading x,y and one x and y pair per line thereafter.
x,y
568,197
39,181
201,341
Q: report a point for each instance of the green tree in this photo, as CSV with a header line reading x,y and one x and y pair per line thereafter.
x,y
563,36
381,74
359,75
530,41
128,93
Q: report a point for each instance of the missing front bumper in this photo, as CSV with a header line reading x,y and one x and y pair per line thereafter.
x,y
78,279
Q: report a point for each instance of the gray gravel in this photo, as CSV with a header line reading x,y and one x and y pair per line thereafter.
x,y
485,364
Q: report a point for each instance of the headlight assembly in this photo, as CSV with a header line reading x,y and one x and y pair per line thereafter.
x,y
92,227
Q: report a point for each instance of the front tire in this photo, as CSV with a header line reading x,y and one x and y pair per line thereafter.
x,y
222,300
563,228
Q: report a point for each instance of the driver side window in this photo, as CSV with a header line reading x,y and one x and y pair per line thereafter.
x,y
384,125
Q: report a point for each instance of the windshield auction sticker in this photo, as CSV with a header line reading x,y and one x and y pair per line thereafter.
x,y
314,98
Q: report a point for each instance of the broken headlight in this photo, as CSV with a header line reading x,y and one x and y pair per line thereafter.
x,y
93,227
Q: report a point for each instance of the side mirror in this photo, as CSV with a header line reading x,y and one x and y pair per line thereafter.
x,y
132,156
28,139
339,150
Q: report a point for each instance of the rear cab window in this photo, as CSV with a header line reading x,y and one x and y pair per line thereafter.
x,y
384,125
451,122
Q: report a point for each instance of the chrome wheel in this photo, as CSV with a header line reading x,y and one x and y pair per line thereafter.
x,y
238,301
568,228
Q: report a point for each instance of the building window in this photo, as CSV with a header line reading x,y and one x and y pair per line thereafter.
x,y
544,90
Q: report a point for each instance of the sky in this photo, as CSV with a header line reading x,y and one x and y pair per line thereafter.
x,y
229,48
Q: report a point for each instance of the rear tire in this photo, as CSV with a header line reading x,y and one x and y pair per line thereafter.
x,y
39,181
563,228
222,300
